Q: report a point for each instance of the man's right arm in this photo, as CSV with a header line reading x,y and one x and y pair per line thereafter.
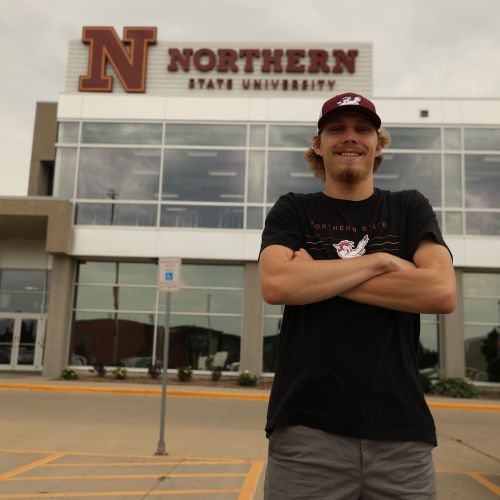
x,y
285,280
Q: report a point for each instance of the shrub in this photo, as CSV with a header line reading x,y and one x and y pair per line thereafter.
x,y
216,373
154,370
120,373
246,378
454,388
184,373
99,369
69,374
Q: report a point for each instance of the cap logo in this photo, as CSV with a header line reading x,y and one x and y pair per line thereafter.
x,y
347,100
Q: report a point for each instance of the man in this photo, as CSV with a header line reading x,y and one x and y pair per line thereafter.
x,y
354,266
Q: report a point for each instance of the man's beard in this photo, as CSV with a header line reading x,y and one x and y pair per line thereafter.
x,y
350,175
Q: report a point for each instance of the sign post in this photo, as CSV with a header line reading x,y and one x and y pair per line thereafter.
x,y
169,280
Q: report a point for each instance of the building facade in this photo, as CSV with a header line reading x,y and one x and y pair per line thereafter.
x,y
156,149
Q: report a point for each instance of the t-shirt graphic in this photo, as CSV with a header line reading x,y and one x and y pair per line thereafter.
x,y
347,250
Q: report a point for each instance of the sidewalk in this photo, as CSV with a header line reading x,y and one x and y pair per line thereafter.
x,y
39,383
97,439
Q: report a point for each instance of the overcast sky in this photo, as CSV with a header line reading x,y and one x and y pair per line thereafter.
x,y
421,48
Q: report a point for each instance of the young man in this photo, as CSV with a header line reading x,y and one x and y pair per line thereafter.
x,y
354,266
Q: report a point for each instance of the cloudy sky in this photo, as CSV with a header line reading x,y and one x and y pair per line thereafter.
x,y
422,48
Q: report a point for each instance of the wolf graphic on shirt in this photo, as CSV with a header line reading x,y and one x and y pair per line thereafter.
x,y
347,250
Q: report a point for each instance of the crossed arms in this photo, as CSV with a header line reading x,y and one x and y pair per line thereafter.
x,y
425,286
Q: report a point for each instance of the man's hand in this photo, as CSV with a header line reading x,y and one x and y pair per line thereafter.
x,y
393,263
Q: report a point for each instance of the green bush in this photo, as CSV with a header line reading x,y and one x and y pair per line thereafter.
x,y
247,379
184,373
154,370
454,388
99,369
69,374
216,373
120,373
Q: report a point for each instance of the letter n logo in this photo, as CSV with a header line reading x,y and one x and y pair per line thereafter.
x,y
130,66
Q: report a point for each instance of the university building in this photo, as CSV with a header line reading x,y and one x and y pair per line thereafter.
x,y
158,149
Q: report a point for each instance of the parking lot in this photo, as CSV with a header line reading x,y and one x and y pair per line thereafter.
x,y
60,443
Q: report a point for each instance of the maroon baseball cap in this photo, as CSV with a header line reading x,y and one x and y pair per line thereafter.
x,y
349,103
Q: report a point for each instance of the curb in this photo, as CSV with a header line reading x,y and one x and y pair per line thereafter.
x,y
254,396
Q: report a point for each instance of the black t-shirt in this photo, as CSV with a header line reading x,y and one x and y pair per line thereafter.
x,y
342,366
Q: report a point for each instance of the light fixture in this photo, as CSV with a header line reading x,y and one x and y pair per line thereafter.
x,y
300,174
222,173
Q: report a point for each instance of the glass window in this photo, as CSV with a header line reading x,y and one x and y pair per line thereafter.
x,y
121,133
256,176
67,132
64,182
97,272
482,325
114,173
481,284
210,134
136,273
205,320
485,223
137,298
454,222
482,138
222,217
31,302
254,218
482,181
452,181
257,136
482,309
271,330
113,339
204,175
208,301
289,136
287,171
23,280
411,171
212,276
452,140
202,342
96,297
115,214
428,353
414,138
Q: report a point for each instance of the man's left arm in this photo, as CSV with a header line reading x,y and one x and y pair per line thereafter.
x,y
427,286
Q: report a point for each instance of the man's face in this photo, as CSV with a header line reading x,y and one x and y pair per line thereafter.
x,y
348,144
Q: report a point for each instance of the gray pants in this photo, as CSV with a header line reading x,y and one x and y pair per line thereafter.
x,y
310,464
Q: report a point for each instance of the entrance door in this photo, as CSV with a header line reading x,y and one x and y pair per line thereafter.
x,y
21,341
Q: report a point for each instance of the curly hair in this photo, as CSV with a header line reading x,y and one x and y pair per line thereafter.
x,y
315,162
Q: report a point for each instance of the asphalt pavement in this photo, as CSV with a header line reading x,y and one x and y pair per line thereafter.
x,y
62,439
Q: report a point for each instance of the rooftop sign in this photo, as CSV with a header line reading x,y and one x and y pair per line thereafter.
x,y
138,63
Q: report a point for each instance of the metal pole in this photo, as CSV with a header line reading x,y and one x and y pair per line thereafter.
x,y
161,442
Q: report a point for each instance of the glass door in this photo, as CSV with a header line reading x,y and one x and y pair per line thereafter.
x,y
21,342
7,326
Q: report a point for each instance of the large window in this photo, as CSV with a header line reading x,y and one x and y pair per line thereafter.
x,y
24,290
482,326
119,317
228,175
